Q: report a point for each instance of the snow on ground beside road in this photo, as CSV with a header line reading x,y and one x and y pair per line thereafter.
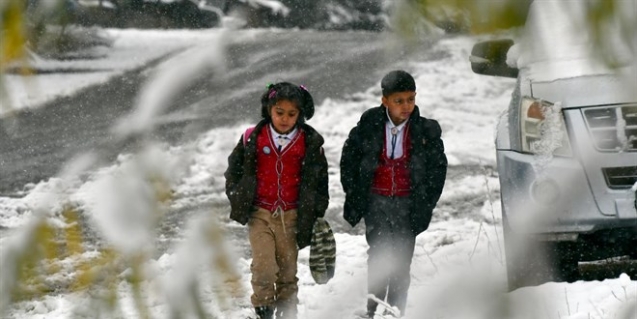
x,y
457,271
130,49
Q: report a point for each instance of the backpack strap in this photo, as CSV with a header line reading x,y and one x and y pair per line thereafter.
x,y
246,134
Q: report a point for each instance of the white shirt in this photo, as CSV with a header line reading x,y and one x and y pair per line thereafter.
x,y
282,139
400,133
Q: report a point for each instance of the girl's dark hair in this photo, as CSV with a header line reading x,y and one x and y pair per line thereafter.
x,y
291,92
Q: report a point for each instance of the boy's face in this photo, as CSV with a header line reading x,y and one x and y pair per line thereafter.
x,y
400,105
284,115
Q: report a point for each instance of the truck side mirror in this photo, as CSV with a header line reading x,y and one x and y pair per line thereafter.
x,y
489,58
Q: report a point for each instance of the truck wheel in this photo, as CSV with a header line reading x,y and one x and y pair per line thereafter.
x,y
564,262
524,260
632,251
532,262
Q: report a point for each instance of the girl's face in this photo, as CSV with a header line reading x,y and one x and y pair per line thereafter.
x,y
400,105
284,115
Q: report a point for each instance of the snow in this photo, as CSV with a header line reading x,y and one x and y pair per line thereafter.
x,y
130,49
458,267
275,7
559,43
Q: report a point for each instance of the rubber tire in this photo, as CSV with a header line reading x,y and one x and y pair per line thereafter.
x,y
530,262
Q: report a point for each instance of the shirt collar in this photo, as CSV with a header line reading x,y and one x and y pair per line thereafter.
x,y
290,135
391,124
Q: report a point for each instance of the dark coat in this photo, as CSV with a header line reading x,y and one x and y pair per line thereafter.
x,y
428,165
241,181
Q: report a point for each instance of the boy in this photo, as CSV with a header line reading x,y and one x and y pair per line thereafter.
x,y
393,169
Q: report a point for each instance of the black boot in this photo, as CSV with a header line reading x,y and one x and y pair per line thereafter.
x,y
264,312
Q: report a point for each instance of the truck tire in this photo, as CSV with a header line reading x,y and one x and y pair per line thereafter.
x,y
531,262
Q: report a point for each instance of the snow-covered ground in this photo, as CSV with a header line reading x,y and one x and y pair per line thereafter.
x,y
458,268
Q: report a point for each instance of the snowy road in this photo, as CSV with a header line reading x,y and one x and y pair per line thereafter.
x,y
332,64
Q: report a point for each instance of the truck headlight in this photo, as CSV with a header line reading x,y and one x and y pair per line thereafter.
x,y
542,128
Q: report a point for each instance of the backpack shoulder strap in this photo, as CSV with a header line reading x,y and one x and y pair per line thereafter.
x,y
246,134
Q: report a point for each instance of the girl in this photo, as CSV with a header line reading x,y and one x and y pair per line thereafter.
x,y
277,183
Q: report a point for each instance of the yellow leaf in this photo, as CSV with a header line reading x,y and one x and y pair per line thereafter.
x,y
13,33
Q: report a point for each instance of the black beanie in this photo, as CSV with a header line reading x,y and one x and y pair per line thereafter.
x,y
397,81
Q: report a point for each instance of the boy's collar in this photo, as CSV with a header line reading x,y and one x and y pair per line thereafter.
x,y
391,123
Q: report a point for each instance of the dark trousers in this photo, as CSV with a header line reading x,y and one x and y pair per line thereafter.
x,y
391,248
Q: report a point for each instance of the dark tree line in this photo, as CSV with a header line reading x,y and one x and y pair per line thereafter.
x,y
132,13
304,14
312,14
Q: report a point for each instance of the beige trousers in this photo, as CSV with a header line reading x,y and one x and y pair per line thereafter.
x,y
274,259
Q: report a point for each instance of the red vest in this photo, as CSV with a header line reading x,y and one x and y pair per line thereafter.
x,y
392,175
278,173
